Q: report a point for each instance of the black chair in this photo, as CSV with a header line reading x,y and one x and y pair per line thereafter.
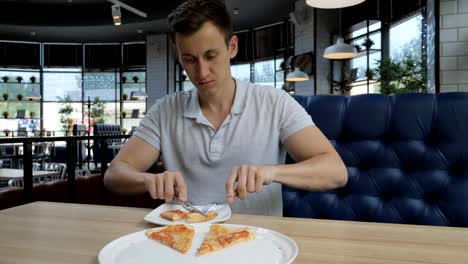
x,y
105,130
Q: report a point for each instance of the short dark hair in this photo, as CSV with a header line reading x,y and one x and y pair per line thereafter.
x,y
190,16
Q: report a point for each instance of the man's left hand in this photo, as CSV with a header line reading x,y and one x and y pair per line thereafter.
x,y
248,179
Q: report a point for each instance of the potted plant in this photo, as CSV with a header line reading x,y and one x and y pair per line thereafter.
x,y
65,112
5,78
124,96
367,43
124,114
6,131
124,131
33,79
20,97
98,111
5,114
32,114
135,79
124,79
5,96
19,79
401,76
358,47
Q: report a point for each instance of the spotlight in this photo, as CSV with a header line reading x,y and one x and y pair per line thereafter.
x,y
116,11
116,15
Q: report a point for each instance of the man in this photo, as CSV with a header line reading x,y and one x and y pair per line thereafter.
x,y
223,140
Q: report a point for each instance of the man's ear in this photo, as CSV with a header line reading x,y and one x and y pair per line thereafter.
x,y
233,46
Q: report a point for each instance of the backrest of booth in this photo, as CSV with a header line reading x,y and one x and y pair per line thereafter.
x,y
406,155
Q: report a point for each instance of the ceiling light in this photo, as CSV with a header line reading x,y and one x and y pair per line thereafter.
x,y
117,21
116,11
297,76
235,11
340,51
329,4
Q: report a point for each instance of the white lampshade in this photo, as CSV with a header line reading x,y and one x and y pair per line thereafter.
x,y
297,76
138,95
340,51
329,4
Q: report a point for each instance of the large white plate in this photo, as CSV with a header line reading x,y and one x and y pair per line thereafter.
x,y
224,213
267,247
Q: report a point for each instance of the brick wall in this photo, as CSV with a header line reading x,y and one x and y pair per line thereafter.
x,y
453,45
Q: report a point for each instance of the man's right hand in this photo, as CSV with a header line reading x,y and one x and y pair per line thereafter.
x,y
166,186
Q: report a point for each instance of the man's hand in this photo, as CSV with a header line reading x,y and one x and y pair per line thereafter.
x,y
249,179
166,186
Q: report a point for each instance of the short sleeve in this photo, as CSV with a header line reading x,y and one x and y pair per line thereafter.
x,y
150,126
293,117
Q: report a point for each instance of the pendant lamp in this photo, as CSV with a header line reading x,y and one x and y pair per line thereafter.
x,y
340,50
330,4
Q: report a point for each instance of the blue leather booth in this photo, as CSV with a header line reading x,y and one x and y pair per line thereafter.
x,y
406,155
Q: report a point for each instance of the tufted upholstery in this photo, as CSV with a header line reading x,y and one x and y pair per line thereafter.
x,y
105,130
407,159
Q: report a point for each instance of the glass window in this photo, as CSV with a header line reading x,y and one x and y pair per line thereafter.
x,y
102,85
241,72
264,73
62,84
406,38
52,122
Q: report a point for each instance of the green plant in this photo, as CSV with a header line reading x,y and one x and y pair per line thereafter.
x,y
135,79
65,112
124,79
19,79
405,76
33,79
97,111
124,114
6,131
5,78
5,114
124,96
5,96
20,97
124,131
358,47
32,114
367,43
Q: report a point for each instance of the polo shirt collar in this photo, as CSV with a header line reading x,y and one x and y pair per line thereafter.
x,y
192,110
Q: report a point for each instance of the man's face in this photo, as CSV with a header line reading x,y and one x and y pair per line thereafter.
x,y
206,58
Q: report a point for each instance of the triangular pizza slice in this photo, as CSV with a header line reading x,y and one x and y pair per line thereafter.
x,y
221,237
178,237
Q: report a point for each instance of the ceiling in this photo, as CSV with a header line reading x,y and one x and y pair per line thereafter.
x,y
91,21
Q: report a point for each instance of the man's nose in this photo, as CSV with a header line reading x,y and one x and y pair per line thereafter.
x,y
203,69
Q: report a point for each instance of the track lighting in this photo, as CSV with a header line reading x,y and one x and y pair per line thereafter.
x,y
116,15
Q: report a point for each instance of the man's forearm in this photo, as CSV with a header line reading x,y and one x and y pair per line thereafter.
x,y
322,172
122,178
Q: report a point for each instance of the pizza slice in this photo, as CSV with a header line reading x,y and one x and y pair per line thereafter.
x,y
195,217
221,237
178,237
173,215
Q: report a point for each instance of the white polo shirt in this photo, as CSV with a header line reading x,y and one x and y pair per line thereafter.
x,y
261,119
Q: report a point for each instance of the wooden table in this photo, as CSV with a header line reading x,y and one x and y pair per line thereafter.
x,y
9,174
43,232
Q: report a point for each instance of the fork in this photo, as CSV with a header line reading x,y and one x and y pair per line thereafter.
x,y
189,207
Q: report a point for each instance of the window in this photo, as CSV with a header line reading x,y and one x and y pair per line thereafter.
x,y
241,72
62,83
406,38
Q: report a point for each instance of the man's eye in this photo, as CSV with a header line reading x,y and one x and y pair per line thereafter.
x,y
188,60
211,56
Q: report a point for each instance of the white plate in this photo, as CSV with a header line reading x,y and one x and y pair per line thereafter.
x,y
224,213
267,247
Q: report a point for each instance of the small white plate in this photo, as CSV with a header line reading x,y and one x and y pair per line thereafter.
x,y
224,213
268,247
